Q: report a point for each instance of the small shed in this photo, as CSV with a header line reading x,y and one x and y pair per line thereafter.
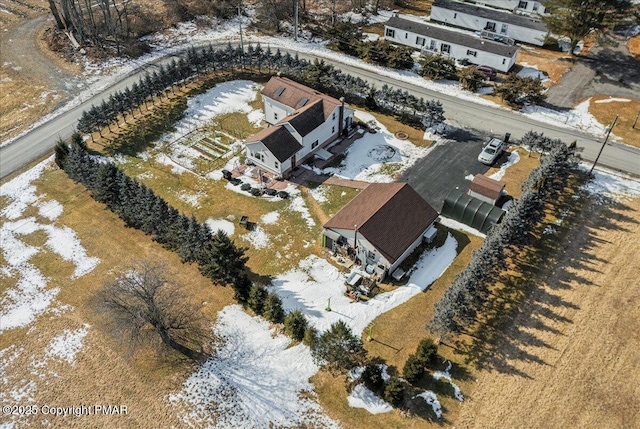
x,y
471,211
486,189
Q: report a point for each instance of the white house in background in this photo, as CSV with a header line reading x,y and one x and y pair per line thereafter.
x,y
301,122
515,5
492,23
456,44
486,189
380,227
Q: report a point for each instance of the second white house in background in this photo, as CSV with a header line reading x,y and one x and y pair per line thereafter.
x,y
456,44
493,23
301,122
515,5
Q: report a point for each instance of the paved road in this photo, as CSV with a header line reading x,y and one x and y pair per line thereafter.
x,y
461,113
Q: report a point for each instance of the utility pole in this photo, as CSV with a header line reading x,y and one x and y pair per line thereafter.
x,y
295,27
636,120
613,124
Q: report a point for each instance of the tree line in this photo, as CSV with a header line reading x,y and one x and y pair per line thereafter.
x,y
460,305
256,60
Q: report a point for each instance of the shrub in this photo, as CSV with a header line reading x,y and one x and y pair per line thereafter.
x,y
338,350
413,369
438,67
311,337
372,377
394,391
273,310
470,78
427,352
517,91
257,299
295,325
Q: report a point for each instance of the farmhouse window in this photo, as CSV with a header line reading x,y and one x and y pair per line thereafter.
x,y
523,5
275,116
444,48
371,255
276,164
491,26
535,6
314,144
455,15
333,129
472,53
504,61
390,32
420,41
432,45
503,30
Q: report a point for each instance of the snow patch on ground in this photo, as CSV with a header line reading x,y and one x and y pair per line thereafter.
x,y
459,226
612,184
514,157
532,71
189,198
26,296
431,399
255,379
612,99
579,117
310,286
361,397
66,345
221,224
367,155
258,238
318,194
446,375
176,168
298,205
270,218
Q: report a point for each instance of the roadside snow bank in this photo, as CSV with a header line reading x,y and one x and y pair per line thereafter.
x,y
612,184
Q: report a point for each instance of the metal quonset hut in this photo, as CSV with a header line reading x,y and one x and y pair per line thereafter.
x,y
471,211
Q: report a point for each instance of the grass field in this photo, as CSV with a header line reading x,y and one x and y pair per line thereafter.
x,y
627,111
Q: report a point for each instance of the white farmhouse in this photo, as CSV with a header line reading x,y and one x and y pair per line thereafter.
x,y
456,44
492,23
515,5
301,122
380,227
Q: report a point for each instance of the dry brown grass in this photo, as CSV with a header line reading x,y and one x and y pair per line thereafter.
x,y
570,356
554,63
627,111
517,173
102,373
634,46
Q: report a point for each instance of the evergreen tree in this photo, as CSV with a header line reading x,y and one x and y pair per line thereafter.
x,y
257,299
338,349
242,289
61,151
311,338
372,377
413,369
427,352
295,325
394,392
273,310
222,261
438,67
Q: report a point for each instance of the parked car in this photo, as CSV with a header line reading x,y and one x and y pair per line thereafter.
x,y
489,72
492,151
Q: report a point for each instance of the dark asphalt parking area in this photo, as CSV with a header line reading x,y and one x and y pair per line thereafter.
x,y
446,167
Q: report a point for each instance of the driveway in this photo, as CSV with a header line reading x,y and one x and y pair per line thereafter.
x,y
446,167
609,70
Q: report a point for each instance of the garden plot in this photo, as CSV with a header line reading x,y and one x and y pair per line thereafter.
x,y
368,155
27,294
316,284
256,380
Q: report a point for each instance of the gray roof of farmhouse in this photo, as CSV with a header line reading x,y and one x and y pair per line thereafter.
x,y
452,36
491,14
278,140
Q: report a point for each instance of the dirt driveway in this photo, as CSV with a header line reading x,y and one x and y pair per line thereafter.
x,y
571,357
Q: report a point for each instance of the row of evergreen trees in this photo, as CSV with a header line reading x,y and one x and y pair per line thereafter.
x,y
316,74
458,308
217,256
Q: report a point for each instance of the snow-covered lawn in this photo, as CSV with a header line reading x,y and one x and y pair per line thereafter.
x,y
369,154
532,71
270,218
514,157
256,379
298,205
310,286
66,345
258,238
579,117
27,295
611,184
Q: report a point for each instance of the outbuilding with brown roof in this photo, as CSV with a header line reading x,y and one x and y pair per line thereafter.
x,y
486,189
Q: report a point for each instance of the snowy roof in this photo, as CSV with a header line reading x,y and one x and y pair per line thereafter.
x,y
278,140
452,36
307,118
296,95
486,186
491,14
391,216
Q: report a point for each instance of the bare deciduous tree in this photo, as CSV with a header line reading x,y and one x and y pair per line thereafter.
x,y
146,304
